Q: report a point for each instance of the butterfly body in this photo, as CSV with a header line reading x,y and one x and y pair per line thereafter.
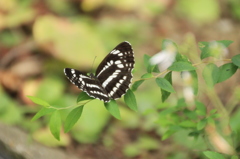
x,y
113,76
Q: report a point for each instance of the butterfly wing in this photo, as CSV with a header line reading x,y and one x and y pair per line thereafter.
x,y
88,84
115,71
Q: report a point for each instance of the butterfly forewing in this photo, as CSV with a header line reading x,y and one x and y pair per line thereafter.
x,y
115,71
113,75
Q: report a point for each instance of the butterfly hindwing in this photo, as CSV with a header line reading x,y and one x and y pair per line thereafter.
x,y
113,76
88,84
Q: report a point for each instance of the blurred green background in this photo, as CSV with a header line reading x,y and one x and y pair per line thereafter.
x,y
38,38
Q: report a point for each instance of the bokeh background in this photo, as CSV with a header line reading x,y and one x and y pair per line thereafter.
x,y
38,38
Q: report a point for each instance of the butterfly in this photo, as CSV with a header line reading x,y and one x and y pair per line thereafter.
x,y
113,75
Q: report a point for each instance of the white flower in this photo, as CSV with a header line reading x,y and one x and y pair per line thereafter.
x,y
217,49
166,57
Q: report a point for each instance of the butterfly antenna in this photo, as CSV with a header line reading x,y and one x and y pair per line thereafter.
x,y
93,63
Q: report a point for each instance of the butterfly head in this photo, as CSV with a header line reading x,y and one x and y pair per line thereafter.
x,y
92,76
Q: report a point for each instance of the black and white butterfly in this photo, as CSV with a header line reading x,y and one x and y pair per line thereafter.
x,y
113,76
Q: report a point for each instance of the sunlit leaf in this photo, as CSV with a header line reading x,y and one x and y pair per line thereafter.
x,y
42,112
130,100
187,124
72,118
113,109
147,75
80,37
38,101
213,155
55,124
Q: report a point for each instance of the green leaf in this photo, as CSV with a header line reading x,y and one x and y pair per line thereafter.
x,y
187,124
166,42
136,85
213,111
146,59
165,85
213,155
192,115
147,64
211,74
195,134
170,131
234,157
113,109
226,71
236,60
130,100
139,82
156,69
201,124
181,66
182,58
83,96
195,81
226,43
213,48
147,75
200,109
39,101
55,124
72,118
42,112
166,94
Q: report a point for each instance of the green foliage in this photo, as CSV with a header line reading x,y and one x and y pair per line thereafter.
x,y
39,101
136,85
193,116
194,81
71,30
72,118
181,66
226,71
166,94
165,85
83,96
213,49
130,100
213,155
55,124
236,60
211,74
42,112
113,109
